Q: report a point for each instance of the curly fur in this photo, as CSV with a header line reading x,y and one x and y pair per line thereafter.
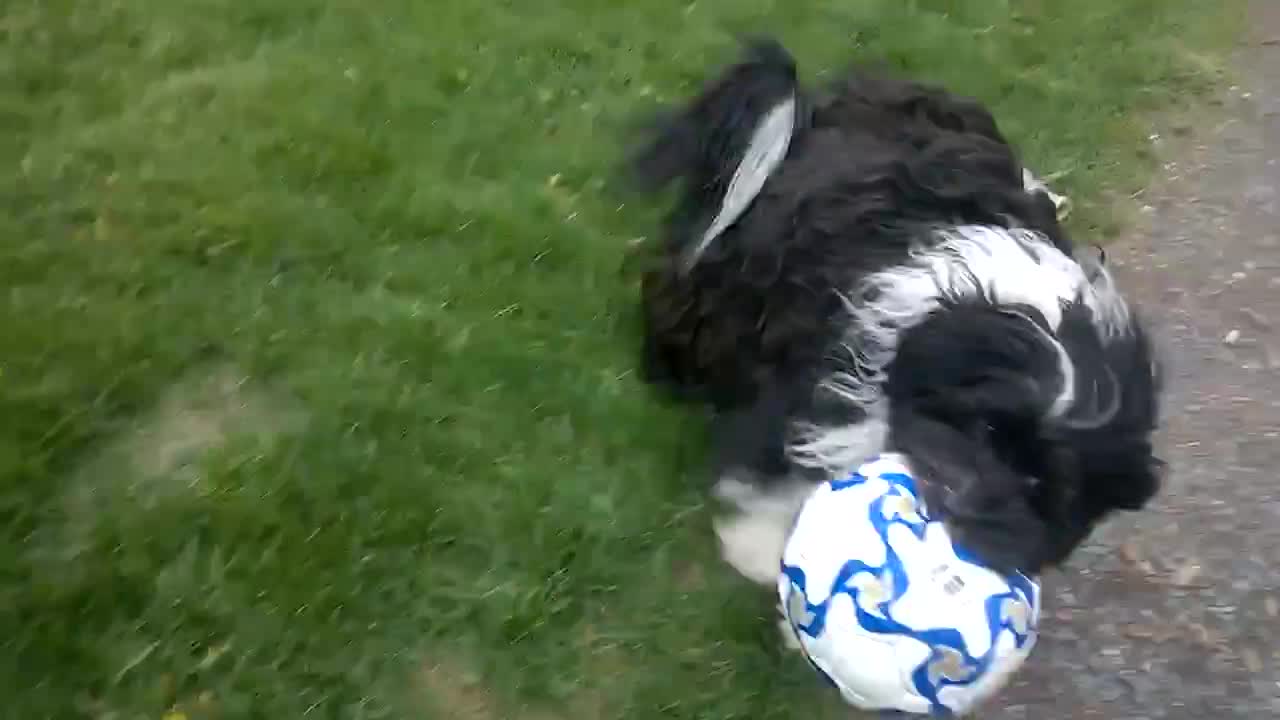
x,y
899,282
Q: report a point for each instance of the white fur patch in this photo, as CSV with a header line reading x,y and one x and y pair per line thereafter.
x,y
754,533
1009,266
1006,265
839,448
765,152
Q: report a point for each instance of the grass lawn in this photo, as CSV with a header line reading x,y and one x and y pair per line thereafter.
x,y
317,388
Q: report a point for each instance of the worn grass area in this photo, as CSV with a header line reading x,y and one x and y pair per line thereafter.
x,y
316,383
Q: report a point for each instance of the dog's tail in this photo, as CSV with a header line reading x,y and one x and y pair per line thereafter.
x,y
724,144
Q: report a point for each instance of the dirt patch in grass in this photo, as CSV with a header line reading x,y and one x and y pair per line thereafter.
x,y
455,693
690,575
452,690
200,413
160,454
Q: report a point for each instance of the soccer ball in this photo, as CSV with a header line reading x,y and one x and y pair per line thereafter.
x,y
890,611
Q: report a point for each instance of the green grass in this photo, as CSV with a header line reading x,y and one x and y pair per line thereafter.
x,y
317,389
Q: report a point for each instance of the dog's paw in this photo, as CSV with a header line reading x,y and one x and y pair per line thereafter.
x,y
752,545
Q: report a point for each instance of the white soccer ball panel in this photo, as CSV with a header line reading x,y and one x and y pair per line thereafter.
x,y
943,580
878,660
809,546
1008,658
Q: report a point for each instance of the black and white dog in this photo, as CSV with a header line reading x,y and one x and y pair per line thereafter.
x,y
871,269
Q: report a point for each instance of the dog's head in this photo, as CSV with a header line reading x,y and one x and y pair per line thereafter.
x,y
1026,431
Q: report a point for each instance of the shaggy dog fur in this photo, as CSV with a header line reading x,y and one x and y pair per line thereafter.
x,y
871,268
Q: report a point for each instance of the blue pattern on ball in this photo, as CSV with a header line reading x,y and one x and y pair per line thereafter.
x,y
1022,589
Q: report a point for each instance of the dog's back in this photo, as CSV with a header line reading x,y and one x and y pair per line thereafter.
x,y
730,309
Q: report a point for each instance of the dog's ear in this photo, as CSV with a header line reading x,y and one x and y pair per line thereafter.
x,y
969,389
1114,412
1097,455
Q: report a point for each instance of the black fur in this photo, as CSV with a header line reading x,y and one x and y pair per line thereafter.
x,y
876,167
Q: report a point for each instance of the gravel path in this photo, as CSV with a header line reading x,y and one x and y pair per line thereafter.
x,y
1175,612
